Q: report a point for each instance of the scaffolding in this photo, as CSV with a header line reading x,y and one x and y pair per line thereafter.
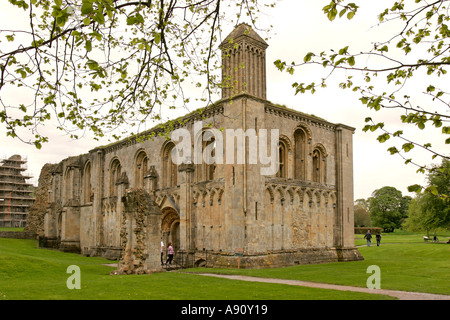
x,y
16,195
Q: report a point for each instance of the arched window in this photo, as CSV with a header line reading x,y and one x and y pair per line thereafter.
x,y
210,149
300,139
319,164
282,160
87,186
68,184
141,167
115,172
206,170
170,168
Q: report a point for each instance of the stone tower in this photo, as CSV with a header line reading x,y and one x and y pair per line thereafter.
x,y
243,63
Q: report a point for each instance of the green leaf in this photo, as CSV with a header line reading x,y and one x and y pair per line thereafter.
x,y
433,190
131,20
308,57
86,7
407,147
393,150
343,50
351,61
157,38
88,46
332,14
99,17
86,21
414,188
383,138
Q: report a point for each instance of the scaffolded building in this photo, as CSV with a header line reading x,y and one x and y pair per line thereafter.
x,y
16,196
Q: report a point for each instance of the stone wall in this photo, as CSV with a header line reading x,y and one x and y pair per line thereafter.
x,y
18,234
35,218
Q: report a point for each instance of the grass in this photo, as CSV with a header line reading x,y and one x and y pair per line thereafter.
x,y
406,263
30,273
401,236
11,229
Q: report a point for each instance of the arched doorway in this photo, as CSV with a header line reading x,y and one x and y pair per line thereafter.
x,y
170,228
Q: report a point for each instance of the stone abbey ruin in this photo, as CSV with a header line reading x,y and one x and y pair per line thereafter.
x,y
119,201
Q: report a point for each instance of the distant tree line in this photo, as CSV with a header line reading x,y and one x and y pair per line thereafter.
x,y
428,211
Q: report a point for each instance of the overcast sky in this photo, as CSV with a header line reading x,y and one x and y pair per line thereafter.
x,y
299,27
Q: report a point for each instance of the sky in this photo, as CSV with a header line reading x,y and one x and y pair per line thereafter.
x,y
298,27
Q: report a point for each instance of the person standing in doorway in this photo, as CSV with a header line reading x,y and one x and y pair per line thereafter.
x,y
162,253
378,237
170,253
368,237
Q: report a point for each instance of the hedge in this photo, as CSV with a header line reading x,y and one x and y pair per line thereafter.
x,y
363,230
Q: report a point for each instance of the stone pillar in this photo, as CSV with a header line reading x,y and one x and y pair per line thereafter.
x,y
153,260
186,213
122,185
99,187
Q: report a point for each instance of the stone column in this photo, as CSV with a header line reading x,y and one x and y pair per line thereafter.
x,y
122,185
338,222
153,241
186,213
98,184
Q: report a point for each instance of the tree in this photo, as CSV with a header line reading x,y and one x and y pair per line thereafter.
x,y
419,47
388,208
98,65
431,210
362,217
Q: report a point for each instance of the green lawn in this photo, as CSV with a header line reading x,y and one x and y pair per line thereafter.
x,y
27,272
11,229
406,263
400,236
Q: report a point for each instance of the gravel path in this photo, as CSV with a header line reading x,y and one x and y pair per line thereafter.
x,y
401,295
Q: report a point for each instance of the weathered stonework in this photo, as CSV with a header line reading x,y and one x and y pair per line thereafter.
x,y
120,200
35,217
140,233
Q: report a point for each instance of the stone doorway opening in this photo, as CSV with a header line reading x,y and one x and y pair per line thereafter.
x,y
170,228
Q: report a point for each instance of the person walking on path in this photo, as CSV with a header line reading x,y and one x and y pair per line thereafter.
x,y
170,253
368,237
378,237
